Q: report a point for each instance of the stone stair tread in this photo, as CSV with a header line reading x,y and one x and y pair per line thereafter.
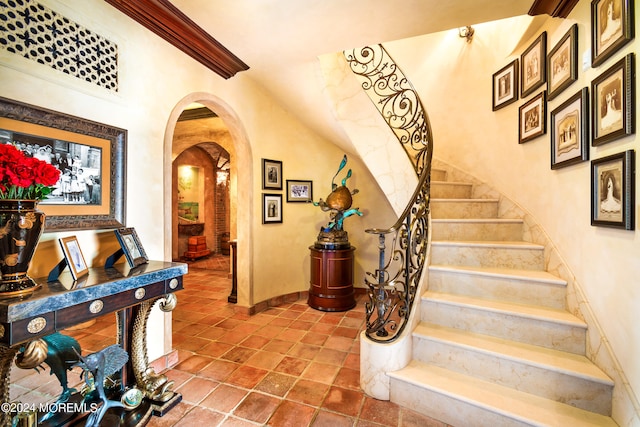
x,y
463,200
479,220
556,360
508,273
527,408
488,244
522,310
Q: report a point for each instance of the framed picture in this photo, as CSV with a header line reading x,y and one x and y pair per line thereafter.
x,y
613,190
505,86
131,246
612,27
533,65
562,63
299,191
92,159
271,174
533,118
73,256
613,102
271,208
570,130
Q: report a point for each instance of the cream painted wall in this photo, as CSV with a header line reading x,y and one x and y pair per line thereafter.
x,y
454,81
155,78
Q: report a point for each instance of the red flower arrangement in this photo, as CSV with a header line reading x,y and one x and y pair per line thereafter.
x,y
23,177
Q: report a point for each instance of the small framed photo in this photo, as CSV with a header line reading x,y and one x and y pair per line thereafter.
x,y
613,102
562,63
271,174
73,256
533,118
533,65
612,27
271,208
505,86
570,130
299,191
131,246
613,190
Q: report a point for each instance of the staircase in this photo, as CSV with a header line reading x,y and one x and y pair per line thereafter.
x,y
495,345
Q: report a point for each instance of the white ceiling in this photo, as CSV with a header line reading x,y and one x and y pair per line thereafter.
x,y
281,39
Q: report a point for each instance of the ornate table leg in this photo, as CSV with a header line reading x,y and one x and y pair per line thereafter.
x,y
6,358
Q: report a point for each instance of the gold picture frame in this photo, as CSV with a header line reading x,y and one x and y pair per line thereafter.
x,y
74,257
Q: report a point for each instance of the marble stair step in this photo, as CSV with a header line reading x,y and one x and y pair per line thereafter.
x,y
464,208
535,325
455,399
548,373
450,190
534,287
496,229
505,254
438,174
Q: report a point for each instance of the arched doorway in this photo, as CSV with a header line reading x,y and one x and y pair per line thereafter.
x,y
240,177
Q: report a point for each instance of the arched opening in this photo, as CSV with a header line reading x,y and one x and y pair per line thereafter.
x,y
226,132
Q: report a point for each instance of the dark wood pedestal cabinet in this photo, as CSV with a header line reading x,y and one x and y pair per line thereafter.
x,y
332,279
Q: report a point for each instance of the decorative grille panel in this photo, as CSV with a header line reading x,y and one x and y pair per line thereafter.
x,y
38,33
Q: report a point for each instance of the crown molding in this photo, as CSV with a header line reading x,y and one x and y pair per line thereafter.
x,y
554,8
168,22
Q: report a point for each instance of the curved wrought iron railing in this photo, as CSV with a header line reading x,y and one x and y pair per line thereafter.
x,y
392,287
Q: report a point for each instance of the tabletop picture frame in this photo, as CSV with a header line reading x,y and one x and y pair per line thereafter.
x,y
131,246
533,118
299,190
570,131
613,102
74,257
271,174
271,208
533,66
613,191
562,63
612,26
505,85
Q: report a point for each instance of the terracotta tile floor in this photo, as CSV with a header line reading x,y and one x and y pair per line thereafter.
x,y
287,366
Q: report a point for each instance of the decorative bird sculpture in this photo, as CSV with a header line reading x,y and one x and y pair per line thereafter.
x,y
102,364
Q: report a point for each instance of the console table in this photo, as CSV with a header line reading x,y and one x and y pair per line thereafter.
x,y
129,292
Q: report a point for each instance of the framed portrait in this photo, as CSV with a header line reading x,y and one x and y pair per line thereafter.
x,y
570,130
299,191
131,246
271,174
73,256
505,86
613,191
91,157
271,208
562,63
533,118
613,102
533,65
612,26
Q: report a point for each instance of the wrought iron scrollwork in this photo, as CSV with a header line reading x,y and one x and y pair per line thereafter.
x,y
402,247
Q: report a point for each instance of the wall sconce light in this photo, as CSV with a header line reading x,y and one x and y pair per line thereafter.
x,y
466,32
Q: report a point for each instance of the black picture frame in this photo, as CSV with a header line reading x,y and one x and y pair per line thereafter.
x,y
271,208
532,118
613,102
533,66
613,191
570,131
131,246
299,190
52,125
612,26
74,257
271,174
562,63
505,85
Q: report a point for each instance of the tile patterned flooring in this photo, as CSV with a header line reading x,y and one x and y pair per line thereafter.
x,y
290,365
